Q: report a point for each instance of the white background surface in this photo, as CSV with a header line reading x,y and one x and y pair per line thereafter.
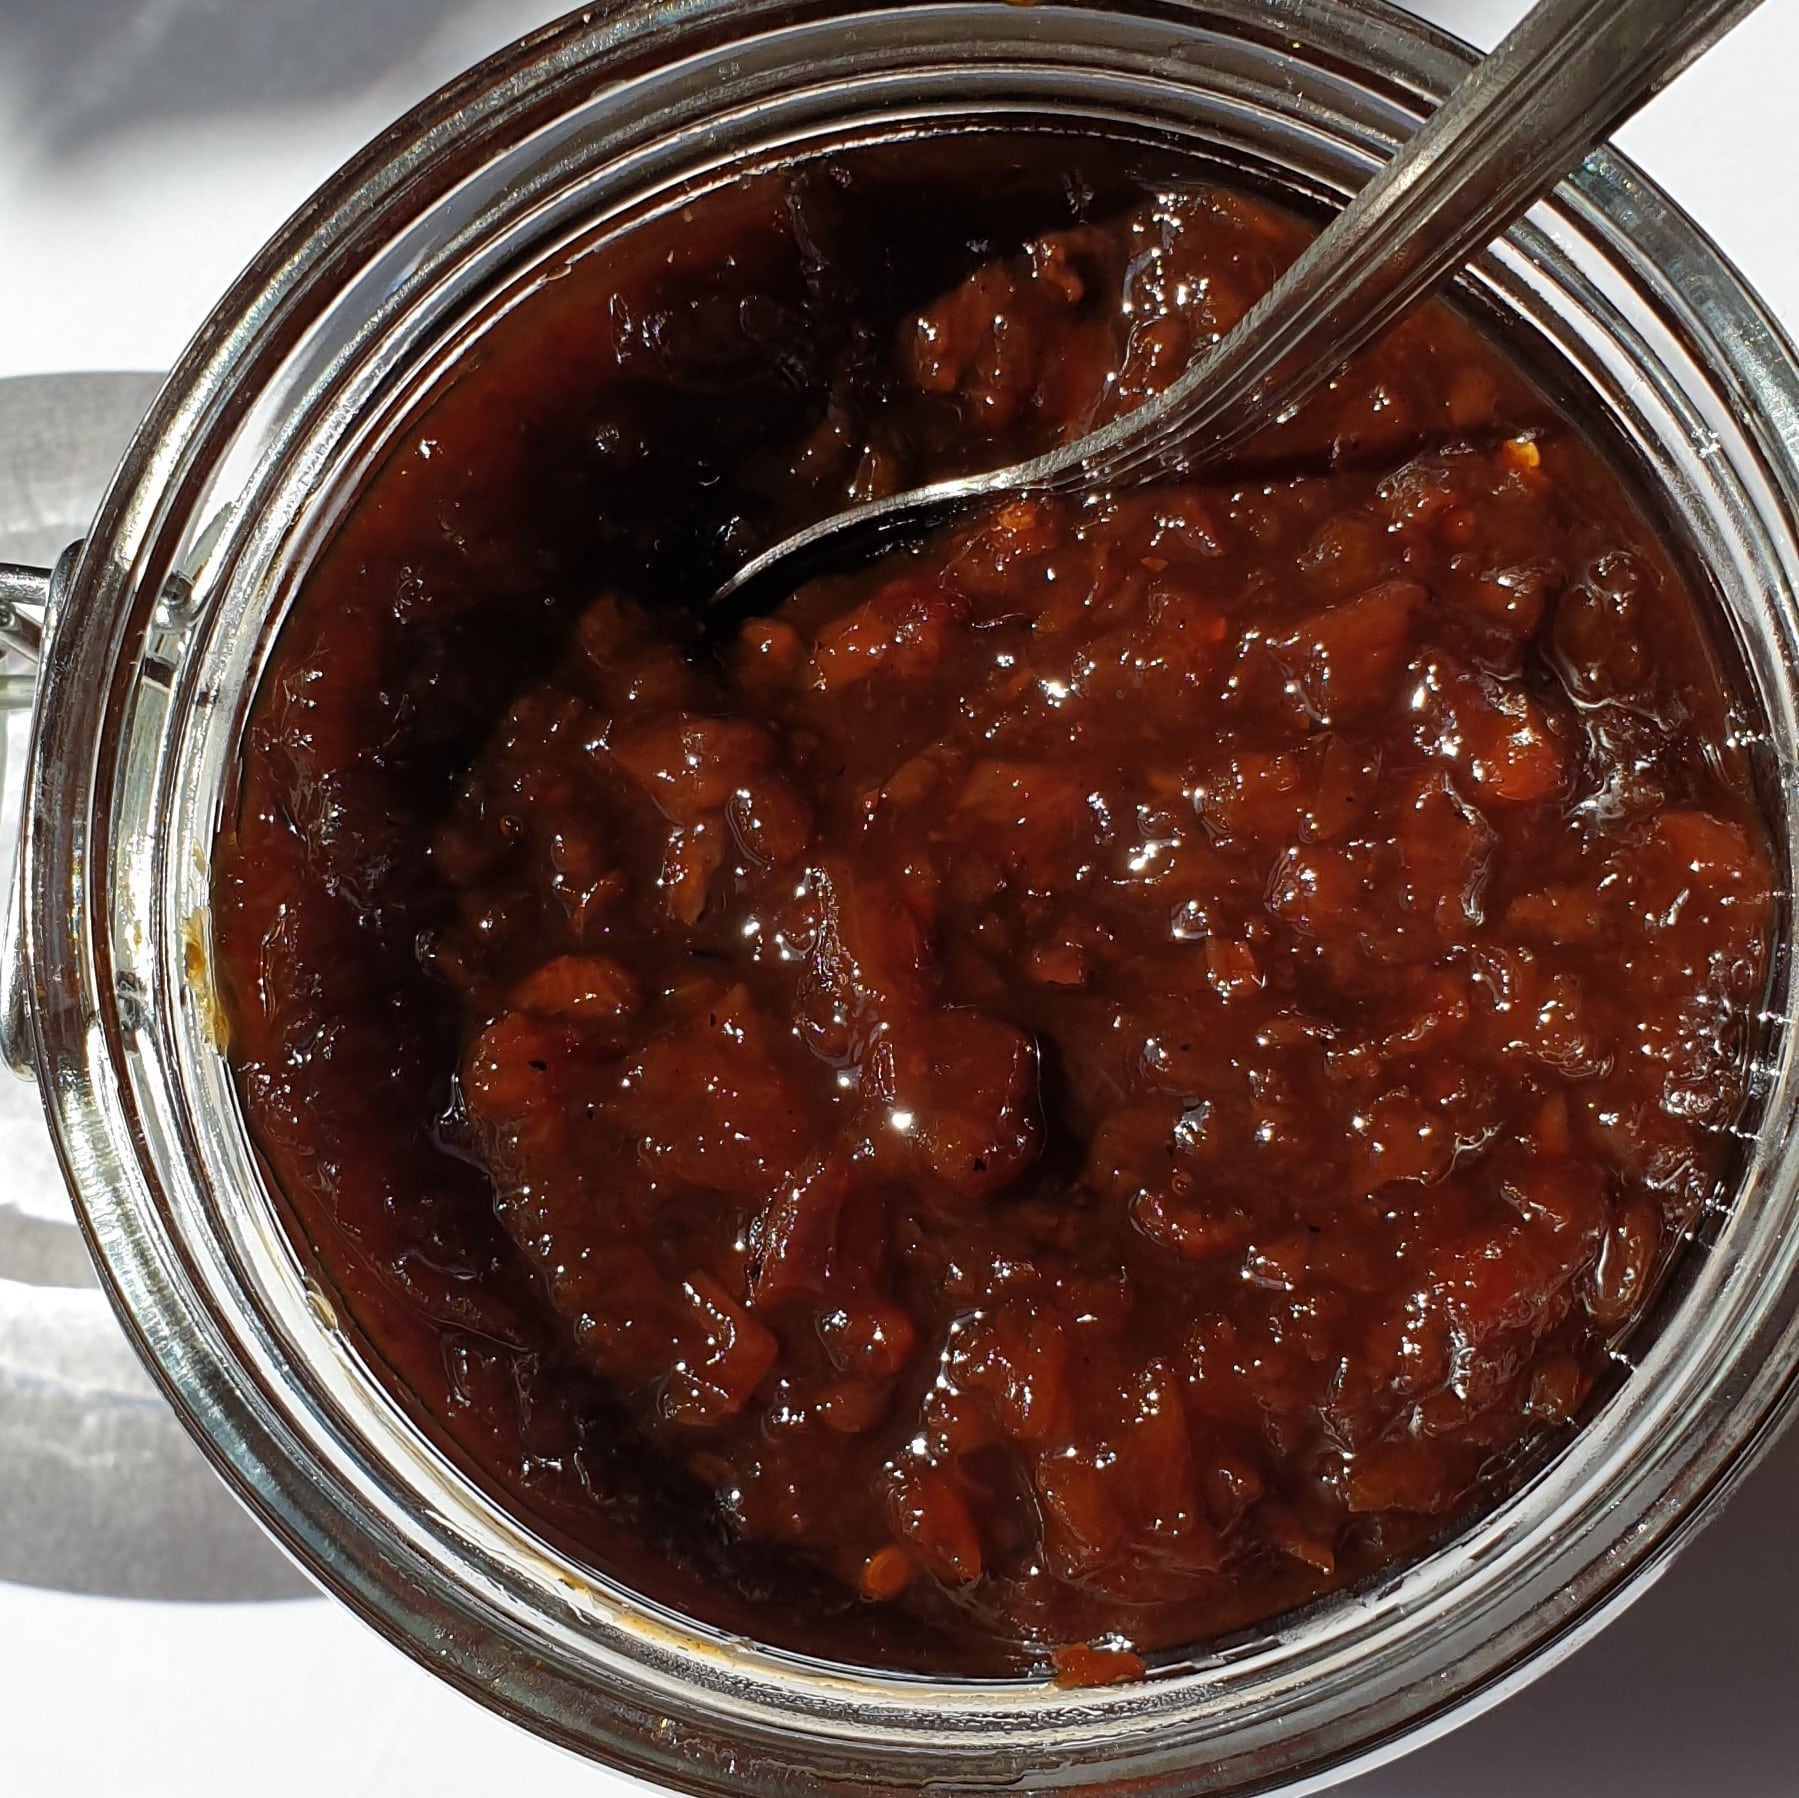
x,y
146,148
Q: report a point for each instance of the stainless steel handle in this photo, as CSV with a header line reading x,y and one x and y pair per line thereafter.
x,y
1571,72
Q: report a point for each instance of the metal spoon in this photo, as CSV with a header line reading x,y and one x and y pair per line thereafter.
x,y
1567,76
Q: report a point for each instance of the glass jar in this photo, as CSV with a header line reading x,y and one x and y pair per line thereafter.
x,y
157,631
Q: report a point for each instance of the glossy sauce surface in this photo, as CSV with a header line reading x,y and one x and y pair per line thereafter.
x,y
1076,1088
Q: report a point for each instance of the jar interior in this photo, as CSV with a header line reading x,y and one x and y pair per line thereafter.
x,y
1026,173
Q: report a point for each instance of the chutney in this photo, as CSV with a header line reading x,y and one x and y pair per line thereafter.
x,y
1063,1093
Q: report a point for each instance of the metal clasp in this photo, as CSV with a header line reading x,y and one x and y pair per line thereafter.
x,y
26,594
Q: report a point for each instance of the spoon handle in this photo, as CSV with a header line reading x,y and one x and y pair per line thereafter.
x,y
1568,75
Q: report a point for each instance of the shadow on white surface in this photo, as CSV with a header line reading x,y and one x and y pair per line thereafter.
x,y
1688,1695
105,68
